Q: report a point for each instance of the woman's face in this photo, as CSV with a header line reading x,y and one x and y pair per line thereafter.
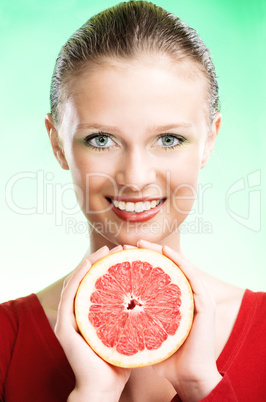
x,y
135,136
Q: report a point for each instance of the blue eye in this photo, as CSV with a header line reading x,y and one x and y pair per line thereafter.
x,y
169,141
99,141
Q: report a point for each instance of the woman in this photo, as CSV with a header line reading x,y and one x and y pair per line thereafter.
x,y
134,117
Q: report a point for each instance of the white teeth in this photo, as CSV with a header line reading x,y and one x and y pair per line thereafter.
x,y
139,207
122,205
147,205
135,206
130,207
119,204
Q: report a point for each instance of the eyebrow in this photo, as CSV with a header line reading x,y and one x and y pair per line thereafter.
x,y
103,127
170,126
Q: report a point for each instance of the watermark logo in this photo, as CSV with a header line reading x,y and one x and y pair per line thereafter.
x,y
249,187
51,198
196,226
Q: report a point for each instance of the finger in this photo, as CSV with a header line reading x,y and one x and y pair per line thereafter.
x,y
116,249
149,245
102,252
128,246
201,294
72,282
70,289
185,265
88,261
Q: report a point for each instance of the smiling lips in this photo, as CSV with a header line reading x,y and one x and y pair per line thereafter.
x,y
139,211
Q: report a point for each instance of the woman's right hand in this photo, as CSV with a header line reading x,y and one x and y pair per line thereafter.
x,y
96,380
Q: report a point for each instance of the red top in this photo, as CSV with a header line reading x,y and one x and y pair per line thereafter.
x,y
33,366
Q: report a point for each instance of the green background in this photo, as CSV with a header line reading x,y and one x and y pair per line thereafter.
x,y
39,248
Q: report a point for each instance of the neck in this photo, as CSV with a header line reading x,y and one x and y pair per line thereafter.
x,y
97,241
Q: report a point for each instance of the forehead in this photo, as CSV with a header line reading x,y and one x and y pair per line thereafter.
x,y
150,90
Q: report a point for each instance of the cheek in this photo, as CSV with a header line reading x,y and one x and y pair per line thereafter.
x,y
88,168
90,176
183,198
184,185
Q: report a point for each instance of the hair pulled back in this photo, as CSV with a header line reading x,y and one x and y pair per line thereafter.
x,y
124,31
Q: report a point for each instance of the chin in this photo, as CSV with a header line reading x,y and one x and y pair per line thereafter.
x,y
131,237
120,232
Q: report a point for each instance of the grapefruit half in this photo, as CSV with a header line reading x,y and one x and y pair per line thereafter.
x,y
134,308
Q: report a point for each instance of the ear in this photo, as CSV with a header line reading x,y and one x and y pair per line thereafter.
x,y
55,141
210,141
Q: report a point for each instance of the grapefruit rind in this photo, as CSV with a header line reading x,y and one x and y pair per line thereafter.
x,y
144,357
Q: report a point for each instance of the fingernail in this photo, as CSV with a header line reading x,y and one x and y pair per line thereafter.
x,y
142,241
117,248
103,248
167,249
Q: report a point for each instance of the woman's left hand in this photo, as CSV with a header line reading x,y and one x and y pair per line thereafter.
x,y
192,369
96,380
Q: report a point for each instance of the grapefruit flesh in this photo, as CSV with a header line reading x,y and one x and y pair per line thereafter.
x,y
134,308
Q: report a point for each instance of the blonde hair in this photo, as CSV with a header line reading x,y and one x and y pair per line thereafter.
x,y
124,31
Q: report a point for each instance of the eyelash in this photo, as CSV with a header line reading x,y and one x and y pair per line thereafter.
x,y
89,138
181,140
99,149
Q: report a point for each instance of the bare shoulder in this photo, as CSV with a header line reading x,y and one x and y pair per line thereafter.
x,y
224,294
49,299
228,305
228,299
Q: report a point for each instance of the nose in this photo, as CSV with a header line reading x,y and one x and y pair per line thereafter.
x,y
136,170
